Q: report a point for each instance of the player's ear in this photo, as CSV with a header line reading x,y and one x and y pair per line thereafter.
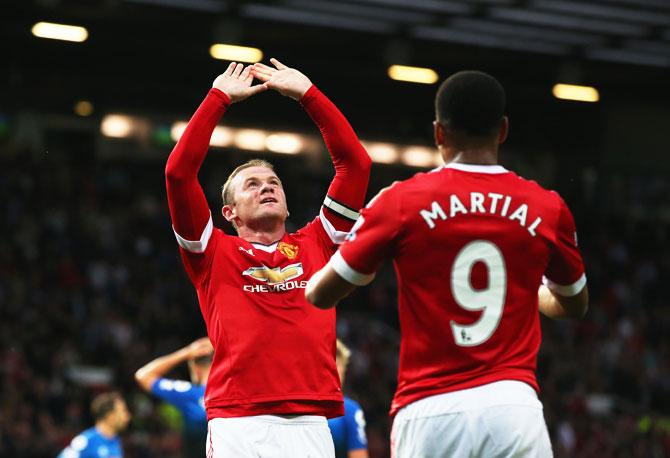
x,y
504,130
228,212
438,132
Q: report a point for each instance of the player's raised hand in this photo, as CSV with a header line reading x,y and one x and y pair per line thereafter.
x,y
236,81
200,347
285,80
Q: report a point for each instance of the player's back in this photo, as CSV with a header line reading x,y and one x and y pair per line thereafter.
x,y
473,245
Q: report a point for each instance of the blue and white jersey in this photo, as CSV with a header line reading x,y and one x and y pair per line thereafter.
x,y
349,431
189,399
92,444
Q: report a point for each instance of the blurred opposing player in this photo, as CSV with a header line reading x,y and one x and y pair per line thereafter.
x,y
470,242
102,440
188,398
348,431
273,380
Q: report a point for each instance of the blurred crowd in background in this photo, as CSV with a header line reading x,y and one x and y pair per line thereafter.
x,y
92,288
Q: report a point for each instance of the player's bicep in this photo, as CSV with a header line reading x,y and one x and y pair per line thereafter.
x,y
372,239
565,272
200,245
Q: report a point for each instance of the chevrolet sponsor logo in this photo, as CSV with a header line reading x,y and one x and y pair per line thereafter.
x,y
275,275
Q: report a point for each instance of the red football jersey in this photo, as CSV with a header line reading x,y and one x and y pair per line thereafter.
x,y
470,246
274,351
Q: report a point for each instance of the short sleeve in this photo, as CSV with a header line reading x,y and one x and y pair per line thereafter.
x,y
372,239
355,427
175,392
565,271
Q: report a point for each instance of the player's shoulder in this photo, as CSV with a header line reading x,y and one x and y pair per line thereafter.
x,y
532,187
84,440
424,180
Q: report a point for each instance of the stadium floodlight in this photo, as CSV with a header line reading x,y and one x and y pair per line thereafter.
x,y
284,142
116,126
83,108
221,137
177,130
576,93
62,32
409,74
384,153
419,156
235,53
250,139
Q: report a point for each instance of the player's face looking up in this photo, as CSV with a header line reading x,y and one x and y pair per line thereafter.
x,y
258,199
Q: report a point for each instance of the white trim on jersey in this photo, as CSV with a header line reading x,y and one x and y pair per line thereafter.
x,y
345,271
340,209
336,236
566,290
476,168
266,248
196,246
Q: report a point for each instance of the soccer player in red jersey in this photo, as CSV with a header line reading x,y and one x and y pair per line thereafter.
x,y
273,380
470,242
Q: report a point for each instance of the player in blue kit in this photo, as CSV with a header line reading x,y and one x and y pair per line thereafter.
x,y
348,431
187,397
101,441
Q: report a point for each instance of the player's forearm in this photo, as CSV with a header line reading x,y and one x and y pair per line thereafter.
x,y
326,288
147,375
191,149
187,202
559,307
351,161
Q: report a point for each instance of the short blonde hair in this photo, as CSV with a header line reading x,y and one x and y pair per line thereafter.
x,y
227,194
343,353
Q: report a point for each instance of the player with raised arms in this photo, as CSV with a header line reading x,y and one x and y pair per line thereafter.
x,y
187,397
273,380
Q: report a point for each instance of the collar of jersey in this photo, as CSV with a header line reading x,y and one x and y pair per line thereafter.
x,y
477,168
268,248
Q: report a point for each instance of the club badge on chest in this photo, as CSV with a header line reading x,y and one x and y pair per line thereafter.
x,y
288,250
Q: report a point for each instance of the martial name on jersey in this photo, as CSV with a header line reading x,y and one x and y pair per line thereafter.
x,y
487,204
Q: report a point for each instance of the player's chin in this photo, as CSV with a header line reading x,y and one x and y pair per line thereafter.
x,y
272,211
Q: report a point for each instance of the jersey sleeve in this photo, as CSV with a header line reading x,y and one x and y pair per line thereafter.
x,y
372,239
346,192
355,428
565,272
179,393
191,218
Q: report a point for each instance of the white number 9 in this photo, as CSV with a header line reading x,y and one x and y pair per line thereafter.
x,y
489,301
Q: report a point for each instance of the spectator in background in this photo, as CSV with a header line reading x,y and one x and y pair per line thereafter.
x,y
102,440
187,397
348,431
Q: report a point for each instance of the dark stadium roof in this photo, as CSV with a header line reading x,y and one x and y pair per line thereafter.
x,y
153,55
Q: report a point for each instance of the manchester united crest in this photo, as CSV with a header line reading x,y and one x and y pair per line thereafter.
x,y
290,251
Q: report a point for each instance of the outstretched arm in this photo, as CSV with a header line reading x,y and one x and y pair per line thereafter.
x,y
346,193
152,371
188,206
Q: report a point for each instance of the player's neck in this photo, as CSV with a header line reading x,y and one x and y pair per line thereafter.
x,y
265,236
105,429
475,156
